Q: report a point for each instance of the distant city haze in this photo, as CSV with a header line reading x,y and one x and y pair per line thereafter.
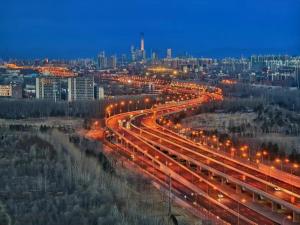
x,y
209,28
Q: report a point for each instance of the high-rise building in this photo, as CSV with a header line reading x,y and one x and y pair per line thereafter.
x,y
112,62
48,88
123,60
143,52
154,56
138,54
142,42
80,88
133,53
297,73
169,53
102,61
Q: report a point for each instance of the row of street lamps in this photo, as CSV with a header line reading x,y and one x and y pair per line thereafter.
x,y
116,108
244,152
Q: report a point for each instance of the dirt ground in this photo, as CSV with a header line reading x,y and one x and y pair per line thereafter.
x,y
219,121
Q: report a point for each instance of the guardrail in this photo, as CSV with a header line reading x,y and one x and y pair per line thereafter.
x,y
233,180
165,169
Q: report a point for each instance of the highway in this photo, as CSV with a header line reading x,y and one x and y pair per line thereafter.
x,y
229,190
220,163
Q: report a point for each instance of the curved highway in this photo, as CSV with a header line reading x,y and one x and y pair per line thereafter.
x,y
219,187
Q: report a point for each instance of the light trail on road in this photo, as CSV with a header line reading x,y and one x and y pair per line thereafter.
x,y
212,176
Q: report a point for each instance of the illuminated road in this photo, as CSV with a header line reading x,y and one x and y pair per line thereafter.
x,y
59,71
228,190
205,157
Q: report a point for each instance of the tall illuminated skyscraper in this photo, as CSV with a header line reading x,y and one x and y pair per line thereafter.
x,y
142,42
143,52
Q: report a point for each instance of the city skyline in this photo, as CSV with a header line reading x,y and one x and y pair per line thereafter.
x,y
199,28
150,112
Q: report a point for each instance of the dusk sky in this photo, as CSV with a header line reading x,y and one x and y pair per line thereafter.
x,y
211,28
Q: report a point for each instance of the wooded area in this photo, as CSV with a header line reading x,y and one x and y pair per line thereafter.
x,y
283,97
25,108
50,179
263,118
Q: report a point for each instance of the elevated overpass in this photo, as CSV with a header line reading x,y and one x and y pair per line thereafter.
x,y
245,192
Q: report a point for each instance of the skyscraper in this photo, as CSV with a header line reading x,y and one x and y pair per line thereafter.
x,y
153,56
139,54
112,63
143,52
133,53
123,60
102,61
142,42
169,53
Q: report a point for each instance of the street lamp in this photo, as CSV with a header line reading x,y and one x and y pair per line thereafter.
x,y
115,108
108,111
129,104
293,169
287,160
289,217
232,151
243,201
295,166
264,154
146,102
279,161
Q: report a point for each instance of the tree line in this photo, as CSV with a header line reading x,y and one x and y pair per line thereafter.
x,y
25,108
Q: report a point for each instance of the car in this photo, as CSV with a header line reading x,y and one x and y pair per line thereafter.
x,y
182,161
277,189
174,156
220,196
165,151
193,166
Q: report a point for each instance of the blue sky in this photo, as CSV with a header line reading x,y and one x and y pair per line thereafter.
x,y
214,28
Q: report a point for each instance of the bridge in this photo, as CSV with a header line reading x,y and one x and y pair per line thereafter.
x,y
218,186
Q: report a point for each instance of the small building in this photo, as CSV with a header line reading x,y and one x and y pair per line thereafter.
x,y
11,91
5,90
